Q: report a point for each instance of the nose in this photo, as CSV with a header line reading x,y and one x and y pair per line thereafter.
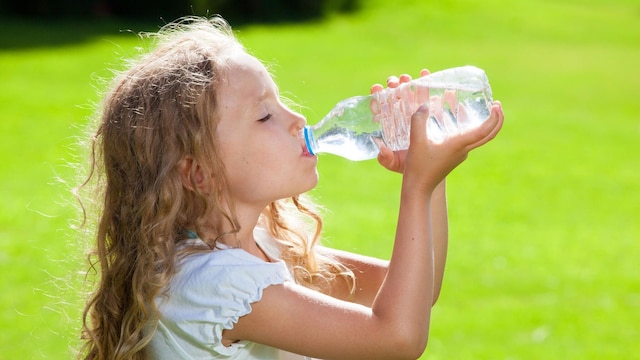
x,y
298,122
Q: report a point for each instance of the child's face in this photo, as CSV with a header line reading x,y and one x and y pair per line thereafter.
x,y
258,137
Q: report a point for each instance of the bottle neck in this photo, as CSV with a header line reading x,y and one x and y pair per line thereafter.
x,y
309,140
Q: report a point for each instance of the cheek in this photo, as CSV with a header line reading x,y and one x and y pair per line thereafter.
x,y
255,155
244,165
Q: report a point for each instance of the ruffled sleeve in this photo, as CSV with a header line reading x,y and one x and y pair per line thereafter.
x,y
211,292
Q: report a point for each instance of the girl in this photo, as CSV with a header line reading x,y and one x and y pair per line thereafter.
x,y
206,247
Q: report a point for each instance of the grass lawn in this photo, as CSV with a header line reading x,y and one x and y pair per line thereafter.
x,y
544,221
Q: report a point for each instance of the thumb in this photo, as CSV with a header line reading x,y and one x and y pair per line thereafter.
x,y
419,124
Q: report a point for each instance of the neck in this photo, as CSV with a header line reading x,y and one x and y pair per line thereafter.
x,y
247,218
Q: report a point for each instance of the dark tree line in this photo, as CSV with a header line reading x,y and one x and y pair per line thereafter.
x,y
238,10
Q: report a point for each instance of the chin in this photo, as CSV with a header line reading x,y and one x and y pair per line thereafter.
x,y
310,185
315,181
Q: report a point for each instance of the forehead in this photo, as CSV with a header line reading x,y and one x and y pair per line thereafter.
x,y
243,83
243,68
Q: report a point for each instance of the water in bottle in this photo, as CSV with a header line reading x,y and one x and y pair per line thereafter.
x,y
458,99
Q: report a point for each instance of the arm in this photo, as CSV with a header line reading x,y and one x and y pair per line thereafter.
x,y
396,325
395,161
296,319
370,272
440,223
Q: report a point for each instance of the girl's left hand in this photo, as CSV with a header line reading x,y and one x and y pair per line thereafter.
x,y
394,160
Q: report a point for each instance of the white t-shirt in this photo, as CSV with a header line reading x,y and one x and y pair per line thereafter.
x,y
207,295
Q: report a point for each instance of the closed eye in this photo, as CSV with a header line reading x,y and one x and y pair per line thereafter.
x,y
265,118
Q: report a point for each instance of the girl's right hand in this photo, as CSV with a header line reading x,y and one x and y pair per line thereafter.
x,y
394,160
427,163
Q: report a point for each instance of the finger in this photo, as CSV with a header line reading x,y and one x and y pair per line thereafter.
x,y
375,107
487,130
385,157
422,92
496,113
495,129
406,93
393,81
497,108
449,102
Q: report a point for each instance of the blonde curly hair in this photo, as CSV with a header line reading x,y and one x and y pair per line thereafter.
x,y
159,112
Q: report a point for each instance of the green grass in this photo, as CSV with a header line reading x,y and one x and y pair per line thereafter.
x,y
544,220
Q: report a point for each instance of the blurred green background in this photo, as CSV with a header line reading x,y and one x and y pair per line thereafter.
x,y
545,220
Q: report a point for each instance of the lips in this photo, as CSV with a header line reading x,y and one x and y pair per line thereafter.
x,y
303,145
305,152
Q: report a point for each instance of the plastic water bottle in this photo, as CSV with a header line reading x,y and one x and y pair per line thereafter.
x,y
458,99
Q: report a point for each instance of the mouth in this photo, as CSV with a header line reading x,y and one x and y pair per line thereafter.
x,y
303,145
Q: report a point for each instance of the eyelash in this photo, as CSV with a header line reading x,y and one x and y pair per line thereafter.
x,y
264,119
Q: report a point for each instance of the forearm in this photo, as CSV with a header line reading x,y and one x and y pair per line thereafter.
x,y
370,272
408,288
440,223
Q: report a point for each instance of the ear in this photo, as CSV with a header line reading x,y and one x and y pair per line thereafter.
x,y
192,176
